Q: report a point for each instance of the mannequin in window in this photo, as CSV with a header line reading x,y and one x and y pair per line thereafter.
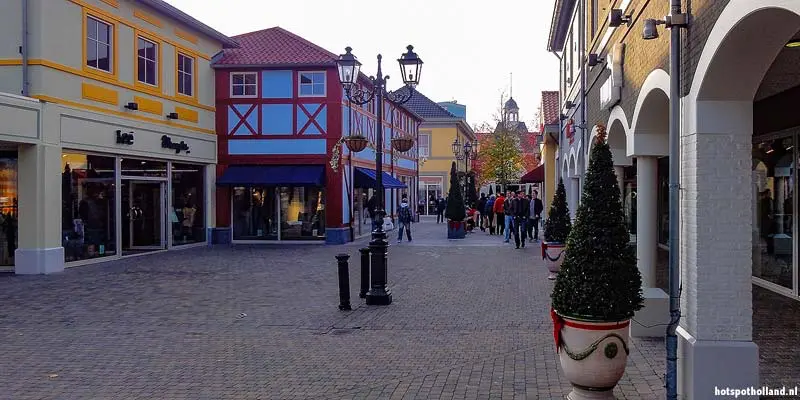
x,y
189,211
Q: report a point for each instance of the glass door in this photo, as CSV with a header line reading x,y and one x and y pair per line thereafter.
x,y
143,216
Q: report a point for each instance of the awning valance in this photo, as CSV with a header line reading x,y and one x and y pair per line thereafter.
x,y
534,176
273,175
367,178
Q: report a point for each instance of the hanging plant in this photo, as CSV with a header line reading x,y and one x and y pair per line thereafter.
x,y
403,143
356,143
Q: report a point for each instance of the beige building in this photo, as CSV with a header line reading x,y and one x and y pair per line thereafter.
x,y
108,144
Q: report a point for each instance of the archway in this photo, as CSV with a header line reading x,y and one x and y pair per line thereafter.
x,y
738,70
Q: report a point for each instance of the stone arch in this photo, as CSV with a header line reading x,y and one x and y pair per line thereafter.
x,y
650,124
616,137
716,153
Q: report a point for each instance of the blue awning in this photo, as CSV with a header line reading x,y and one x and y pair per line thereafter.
x,y
273,175
366,178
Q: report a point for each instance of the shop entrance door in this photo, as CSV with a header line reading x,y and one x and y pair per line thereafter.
x,y
143,216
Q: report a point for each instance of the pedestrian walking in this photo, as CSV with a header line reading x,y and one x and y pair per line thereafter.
x,y
520,207
404,218
489,211
500,213
481,214
441,205
535,216
508,220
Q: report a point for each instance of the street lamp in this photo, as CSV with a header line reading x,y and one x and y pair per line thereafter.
x,y
467,152
349,67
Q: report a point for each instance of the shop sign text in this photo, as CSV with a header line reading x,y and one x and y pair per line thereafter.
x,y
167,143
124,137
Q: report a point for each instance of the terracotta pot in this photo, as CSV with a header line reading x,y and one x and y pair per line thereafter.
x,y
592,354
553,256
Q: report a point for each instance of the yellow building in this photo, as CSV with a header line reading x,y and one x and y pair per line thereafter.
x,y
437,132
549,128
112,141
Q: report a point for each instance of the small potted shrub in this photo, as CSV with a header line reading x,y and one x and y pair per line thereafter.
x,y
455,212
556,230
599,286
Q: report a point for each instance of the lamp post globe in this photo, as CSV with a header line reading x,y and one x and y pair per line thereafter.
x,y
410,67
349,67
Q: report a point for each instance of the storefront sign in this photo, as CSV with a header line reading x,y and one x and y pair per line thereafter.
x,y
167,143
124,137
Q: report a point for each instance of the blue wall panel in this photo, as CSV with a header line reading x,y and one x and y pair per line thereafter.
x,y
321,118
403,163
276,85
276,146
234,119
276,119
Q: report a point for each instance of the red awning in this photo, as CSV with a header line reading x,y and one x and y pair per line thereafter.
x,y
534,176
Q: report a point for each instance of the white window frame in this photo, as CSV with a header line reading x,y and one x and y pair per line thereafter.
x,y
182,73
97,43
300,83
243,85
427,152
154,61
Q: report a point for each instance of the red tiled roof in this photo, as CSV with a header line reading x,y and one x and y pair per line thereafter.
x,y
550,107
275,47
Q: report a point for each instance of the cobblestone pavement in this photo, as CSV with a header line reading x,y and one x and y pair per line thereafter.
x,y
469,321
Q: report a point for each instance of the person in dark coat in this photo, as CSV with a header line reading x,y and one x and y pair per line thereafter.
x,y
535,216
441,205
482,216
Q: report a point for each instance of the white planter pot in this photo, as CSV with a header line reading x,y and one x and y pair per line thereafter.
x,y
593,356
553,256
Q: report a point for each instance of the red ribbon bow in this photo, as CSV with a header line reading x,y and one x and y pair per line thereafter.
x,y
558,324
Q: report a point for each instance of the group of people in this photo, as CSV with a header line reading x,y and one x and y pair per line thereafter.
x,y
514,214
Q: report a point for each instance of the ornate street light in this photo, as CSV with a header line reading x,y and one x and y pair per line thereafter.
x,y
410,68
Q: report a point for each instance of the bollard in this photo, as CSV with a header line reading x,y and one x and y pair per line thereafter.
x,y
364,272
344,281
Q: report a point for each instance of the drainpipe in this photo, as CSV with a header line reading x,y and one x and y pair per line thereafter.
x,y
560,126
24,48
674,21
582,57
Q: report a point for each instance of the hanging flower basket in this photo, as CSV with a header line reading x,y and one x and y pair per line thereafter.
x,y
403,143
356,143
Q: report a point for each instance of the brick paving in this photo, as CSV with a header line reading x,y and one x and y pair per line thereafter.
x,y
469,321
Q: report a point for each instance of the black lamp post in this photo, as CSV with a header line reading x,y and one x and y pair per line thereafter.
x,y
410,67
467,152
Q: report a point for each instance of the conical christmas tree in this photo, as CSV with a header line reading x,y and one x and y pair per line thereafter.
x,y
599,279
558,225
455,201
472,192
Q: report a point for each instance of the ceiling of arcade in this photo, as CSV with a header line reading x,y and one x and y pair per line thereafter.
x,y
784,73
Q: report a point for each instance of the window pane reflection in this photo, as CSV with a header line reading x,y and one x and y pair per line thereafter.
x,y
255,215
88,206
8,207
188,213
773,190
302,213
137,167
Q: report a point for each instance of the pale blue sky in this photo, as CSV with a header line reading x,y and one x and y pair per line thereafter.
x,y
469,47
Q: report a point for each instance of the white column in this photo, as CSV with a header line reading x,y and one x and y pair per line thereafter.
x,y
575,194
646,218
620,171
39,177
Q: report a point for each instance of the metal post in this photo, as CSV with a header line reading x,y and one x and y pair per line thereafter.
x,y
364,272
344,281
674,198
378,294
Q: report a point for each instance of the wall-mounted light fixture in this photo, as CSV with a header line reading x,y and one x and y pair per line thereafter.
x,y
594,59
132,106
617,18
569,105
793,44
650,30
172,115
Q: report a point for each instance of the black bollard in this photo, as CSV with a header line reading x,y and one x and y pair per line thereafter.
x,y
364,272
344,281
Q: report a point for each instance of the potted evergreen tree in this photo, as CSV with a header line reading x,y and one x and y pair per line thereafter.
x,y
556,229
599,287
455,212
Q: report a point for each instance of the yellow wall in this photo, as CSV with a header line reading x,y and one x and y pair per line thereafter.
x,y
441,152
549,150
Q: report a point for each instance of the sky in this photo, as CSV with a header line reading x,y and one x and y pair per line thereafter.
x,y
470,48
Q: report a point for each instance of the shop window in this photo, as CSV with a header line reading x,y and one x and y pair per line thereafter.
x,y
185,74
99,39
147,61
302,213
188,204
312,84
8,207
773,183
255,213
243,84
88,206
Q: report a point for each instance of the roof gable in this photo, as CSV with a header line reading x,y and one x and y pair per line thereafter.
x,y
424,107
550,107
275,47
